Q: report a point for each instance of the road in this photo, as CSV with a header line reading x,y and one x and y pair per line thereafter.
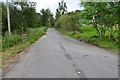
x,y
57,56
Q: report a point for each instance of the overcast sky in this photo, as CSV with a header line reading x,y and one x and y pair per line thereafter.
x,y
72,5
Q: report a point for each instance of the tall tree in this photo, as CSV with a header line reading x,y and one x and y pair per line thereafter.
x,y
62,8
0,12
46,17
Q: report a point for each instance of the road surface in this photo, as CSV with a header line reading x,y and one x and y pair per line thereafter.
x,y
57,56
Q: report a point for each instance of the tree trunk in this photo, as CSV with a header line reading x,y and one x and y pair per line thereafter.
x,y
96,27
111,30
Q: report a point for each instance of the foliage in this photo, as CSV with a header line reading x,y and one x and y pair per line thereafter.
x,y
57,24
103,16
10,41
88,34
69,22
62,8
0,14
32,35
98,23
22,16
47,18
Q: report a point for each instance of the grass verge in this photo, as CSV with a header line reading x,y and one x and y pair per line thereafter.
x,y
88,34
10,51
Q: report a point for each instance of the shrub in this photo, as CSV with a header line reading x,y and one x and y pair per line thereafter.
x,y
32,35
10,41
69,22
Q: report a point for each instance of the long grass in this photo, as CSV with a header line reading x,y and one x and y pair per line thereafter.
x,y
89,35
13,39
9,41
15,44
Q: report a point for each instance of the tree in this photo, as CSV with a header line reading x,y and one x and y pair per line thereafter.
x,y
22,15
47,17
62,8
52,20
69,22
103,16
113,18
0,18
4,19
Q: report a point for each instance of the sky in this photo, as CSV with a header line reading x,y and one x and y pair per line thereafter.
x,y
72,5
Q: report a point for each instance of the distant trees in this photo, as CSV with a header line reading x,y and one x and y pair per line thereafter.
x,y
66,21
23,16
47,18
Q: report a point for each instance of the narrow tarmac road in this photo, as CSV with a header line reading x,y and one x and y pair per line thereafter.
x,y
57,56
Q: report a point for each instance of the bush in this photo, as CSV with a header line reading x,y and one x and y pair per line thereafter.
x,y
88,34
68,22
57,24
32,35
10,41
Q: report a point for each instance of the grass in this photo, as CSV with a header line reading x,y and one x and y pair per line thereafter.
x,y
10,41
13,50
88,34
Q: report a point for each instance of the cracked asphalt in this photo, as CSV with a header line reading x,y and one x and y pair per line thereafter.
x,y
57,56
